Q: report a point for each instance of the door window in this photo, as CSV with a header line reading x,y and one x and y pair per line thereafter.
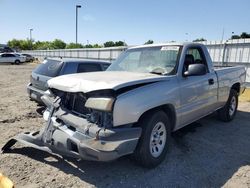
x,y
9,55
194,56
69,68
88,67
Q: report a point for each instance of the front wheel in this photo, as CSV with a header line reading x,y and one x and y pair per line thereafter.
x,y
17,62
154,142
228,112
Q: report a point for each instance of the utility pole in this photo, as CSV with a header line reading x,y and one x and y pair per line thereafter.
x,y
31,39
186,36
77,6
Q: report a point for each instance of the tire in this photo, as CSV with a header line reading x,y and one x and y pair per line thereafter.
x,y
17,62
146,153
228,112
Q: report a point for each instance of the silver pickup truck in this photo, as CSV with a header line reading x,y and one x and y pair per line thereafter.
x,y
132,108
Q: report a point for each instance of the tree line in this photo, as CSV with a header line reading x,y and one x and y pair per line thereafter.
x,y
57,44
243,35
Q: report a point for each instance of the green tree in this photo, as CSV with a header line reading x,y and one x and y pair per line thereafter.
x,y
19,44
149,42
41,45
120,43
199,40
235,37
88,46
58,44
109,44
14,43
244,35
73,45
97,46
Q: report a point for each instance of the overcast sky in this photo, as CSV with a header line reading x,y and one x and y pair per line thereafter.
x,y
132,21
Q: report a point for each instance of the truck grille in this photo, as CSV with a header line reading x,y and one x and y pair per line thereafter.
x,y
75,102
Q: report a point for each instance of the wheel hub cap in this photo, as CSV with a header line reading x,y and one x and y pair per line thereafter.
x,y
232,106
158,139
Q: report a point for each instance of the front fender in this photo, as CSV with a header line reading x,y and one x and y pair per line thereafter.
x,y
129,106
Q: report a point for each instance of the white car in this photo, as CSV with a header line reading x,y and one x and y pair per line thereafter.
x,y
12,58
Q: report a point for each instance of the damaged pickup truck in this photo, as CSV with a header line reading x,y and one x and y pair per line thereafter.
x,y
132,108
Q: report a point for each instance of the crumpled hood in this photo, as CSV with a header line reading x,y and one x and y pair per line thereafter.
x,y
86,82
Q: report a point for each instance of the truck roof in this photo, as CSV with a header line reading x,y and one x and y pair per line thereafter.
x,y
165,44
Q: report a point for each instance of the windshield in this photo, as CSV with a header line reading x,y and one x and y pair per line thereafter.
x,y
49,68
159,60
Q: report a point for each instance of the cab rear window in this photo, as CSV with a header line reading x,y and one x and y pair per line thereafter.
x,y
50,68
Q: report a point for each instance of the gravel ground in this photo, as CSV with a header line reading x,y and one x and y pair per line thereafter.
x,y
207,153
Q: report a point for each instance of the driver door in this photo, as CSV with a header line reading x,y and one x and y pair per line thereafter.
x,y
197,93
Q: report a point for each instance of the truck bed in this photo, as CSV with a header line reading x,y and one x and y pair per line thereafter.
x,y
226,77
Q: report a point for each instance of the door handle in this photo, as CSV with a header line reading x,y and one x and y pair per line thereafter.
x,y
211,81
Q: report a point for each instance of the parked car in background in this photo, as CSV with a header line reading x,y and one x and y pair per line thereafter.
x,y
29,58
4,48
12,58
51,68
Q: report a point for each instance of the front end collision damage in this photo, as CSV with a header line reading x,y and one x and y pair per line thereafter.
x,y
68,134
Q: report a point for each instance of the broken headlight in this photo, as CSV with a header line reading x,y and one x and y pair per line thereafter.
x,y
101,111
102,104
102,119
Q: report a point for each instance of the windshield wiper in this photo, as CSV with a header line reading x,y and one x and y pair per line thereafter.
x,y
155,72
158,71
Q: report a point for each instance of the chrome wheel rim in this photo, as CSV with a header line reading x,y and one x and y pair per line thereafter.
x,y
232,106
158,139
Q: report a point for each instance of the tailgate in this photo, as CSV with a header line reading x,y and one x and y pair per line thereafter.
x,y
39,81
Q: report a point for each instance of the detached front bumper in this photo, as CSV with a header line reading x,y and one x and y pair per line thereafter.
x,y
81,139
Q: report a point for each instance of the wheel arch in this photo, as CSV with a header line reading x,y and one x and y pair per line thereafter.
x,y
17,61
236,87
168,109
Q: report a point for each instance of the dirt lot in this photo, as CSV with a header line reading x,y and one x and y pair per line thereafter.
x,y
207,153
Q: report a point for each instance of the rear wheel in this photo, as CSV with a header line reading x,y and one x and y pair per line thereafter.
x,y
154,142
17,62
228,112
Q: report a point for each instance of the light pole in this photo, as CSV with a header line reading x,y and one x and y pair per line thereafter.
x,y
77,6
31,38
186,36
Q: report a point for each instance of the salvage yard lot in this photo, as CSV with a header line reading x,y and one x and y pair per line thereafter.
x,y
207,153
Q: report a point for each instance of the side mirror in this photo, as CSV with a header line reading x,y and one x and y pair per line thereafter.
x,y
196,70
